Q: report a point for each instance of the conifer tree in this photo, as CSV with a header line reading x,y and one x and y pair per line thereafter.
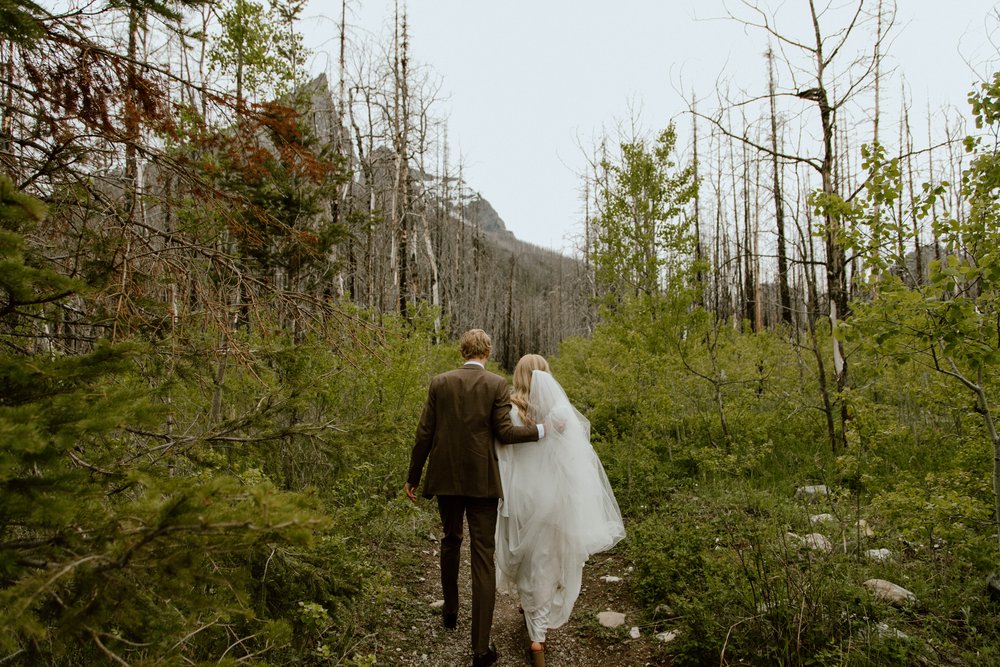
x,y
115,544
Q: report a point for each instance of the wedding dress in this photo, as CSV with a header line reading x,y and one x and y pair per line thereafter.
x,y
557,510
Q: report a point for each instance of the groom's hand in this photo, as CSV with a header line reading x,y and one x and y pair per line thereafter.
x,y
410,492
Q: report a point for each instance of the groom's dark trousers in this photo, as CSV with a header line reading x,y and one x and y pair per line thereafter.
x,y
481,513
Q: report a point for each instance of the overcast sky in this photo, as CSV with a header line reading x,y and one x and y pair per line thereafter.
x,y
525,82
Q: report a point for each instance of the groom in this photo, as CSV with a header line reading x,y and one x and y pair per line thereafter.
x,y
466,409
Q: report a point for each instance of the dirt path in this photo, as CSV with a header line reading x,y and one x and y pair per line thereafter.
x,y
582,642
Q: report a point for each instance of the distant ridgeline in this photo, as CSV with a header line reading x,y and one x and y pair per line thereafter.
x,y
460,254
389,234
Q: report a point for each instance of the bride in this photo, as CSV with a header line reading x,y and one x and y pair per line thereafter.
x,y
557,508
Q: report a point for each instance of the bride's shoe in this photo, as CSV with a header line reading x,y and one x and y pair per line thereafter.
x,y
537,654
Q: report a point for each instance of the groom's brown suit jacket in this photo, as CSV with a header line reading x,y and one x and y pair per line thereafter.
x,y
466,409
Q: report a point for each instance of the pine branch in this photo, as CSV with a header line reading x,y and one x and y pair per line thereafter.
x,y
105,650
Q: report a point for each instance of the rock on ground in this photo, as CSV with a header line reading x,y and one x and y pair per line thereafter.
x,y
812,492
888,591
818,542
611,619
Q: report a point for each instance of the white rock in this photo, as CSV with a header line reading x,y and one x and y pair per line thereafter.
x,y
667,636
815,541
437,604
886,590
818,542
879,554
432,537
611,619
865,528
610,579
821,518
885,631
634,632
812,492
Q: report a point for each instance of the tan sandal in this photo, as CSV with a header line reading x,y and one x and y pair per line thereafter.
x,y
537,654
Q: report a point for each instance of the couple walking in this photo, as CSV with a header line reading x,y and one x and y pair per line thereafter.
x,y
520,469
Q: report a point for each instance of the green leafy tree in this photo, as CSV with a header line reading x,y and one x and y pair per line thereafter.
x,y
644,242
949,324
259,47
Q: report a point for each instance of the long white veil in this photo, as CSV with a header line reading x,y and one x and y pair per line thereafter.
x,y
558,507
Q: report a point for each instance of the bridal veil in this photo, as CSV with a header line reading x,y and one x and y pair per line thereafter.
x,y
558,507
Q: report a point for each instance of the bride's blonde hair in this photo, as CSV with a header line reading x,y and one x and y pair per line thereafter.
x,y
522,383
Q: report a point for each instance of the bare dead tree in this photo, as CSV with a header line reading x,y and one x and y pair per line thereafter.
x,y
827,70
784,296
698,249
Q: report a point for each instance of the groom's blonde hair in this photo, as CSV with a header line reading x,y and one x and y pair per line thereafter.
x,y
475,344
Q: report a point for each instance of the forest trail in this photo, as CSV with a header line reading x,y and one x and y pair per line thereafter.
x,y
416,637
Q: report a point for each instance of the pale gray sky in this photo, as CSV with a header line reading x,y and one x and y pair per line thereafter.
x,y
525,82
